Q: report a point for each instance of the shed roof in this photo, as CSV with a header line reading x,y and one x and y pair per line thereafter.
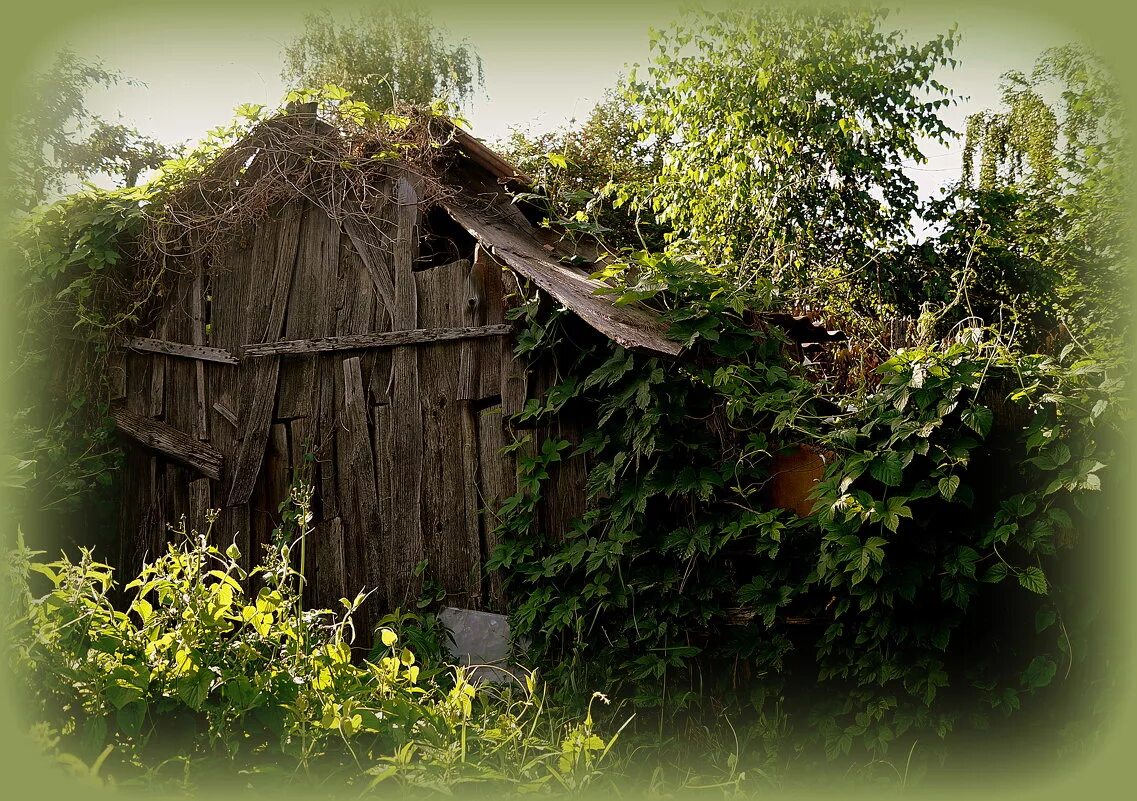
x,y
496,222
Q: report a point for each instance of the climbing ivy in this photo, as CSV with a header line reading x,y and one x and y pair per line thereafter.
x,y
953,488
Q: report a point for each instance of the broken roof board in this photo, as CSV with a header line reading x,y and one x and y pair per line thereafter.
x,y
630,326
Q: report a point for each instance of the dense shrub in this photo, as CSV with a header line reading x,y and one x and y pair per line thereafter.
x,y
958,484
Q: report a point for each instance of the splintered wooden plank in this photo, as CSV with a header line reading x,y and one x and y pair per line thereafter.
x,y
229,279
473,529
346,485
278,473
374,258
181,374
517,245
356,302
473,315
368,284
362,527
157,399
260,377
325,436
491,275
138,371
311,308
328,546
497,480
199,505
188,351
258,398
159,512
157,405
169,442
382,447
362,311
177,481
260,523
448,490
485,305
137,514
137,520
132,514
197,313
389,339
406,410
370,234
514,369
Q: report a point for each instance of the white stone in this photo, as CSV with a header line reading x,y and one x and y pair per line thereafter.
x,y
480,641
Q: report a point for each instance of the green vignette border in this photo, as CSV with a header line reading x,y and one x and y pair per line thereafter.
x,y
1104,24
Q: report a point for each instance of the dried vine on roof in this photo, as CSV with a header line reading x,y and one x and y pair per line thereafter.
x,y
341,168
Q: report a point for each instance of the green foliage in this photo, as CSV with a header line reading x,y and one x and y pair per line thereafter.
x,y
954,487
649,578
1055,174
212,673
785,129
73,275
385,56
57,141
969,470
596,175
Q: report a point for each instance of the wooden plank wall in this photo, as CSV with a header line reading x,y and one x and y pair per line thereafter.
x,y
402,445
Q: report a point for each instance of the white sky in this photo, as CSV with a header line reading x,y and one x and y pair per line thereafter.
x,y
541,69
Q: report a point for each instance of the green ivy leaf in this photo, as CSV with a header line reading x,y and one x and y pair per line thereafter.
x,y
1039,673
887,468
996,573
194,688
978,419
1033,579
1044,619
130,717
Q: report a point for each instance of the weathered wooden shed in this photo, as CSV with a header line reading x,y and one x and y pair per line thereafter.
x,y
373,362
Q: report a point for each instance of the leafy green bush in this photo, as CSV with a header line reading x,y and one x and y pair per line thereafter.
x,y
958,485
963,485
211,674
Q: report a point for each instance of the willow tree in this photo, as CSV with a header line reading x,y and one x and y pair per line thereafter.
x,y
389,53
1045,182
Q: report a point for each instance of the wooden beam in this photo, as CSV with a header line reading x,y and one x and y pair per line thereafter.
x,y
633,326
223,409
170,442
473,314
200,352
387,339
